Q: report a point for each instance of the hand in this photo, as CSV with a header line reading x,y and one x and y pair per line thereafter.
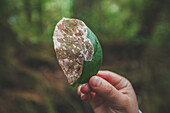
x,y
109,92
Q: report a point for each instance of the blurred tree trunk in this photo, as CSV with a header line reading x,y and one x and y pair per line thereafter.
x,y
40,12
27,5
150,17
6,45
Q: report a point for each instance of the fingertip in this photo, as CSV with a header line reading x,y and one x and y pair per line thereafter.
x,y
95,81
85,88
85,97
78,90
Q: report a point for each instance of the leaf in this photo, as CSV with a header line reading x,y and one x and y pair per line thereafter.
x,y
77,49
91,68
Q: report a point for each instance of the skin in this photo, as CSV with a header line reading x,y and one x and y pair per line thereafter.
x,y
109,92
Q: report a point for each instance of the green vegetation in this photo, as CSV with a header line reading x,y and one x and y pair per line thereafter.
x,y
134,35
91,67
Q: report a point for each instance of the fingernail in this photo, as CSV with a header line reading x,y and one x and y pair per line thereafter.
x,y
96,81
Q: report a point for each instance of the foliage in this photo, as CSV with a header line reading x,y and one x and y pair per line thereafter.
x,y
134,36
91,67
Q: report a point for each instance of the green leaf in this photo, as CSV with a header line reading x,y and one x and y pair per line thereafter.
x,y
91,67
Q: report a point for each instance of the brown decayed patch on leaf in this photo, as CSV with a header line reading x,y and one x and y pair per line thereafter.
x,y
72,47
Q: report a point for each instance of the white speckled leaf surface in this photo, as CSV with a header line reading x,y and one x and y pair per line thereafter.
x,y
72,47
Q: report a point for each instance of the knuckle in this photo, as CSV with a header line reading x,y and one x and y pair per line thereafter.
x,y
126,82
126,79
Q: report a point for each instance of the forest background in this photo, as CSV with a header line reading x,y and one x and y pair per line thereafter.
x,y
134,34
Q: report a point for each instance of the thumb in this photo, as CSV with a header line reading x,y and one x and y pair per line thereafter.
x,y
104,89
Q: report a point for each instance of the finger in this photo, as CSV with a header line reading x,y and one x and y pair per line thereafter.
x,y
85,97
104,88
116,80
78,90
92,95
85,88
111,77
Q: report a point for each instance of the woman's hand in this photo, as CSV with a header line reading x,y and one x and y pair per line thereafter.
x,y
109,92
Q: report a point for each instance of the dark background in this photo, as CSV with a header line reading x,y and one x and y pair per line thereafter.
x,y
134,34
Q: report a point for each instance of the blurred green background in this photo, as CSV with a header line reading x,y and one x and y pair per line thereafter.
x,y
134,34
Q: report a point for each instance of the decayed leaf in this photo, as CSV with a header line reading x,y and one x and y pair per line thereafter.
x,y
91,68
72,47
